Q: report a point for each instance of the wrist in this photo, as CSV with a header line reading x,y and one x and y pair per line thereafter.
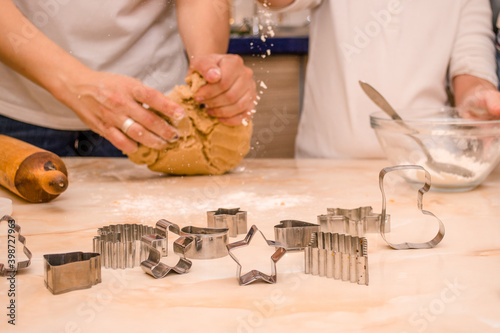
x,y
67,82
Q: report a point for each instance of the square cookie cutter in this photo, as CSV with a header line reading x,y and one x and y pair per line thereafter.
x,y
65,272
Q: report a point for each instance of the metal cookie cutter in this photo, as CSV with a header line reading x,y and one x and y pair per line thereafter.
x,y
10,267
231,218
356,222
120,245
293,234
338,256
255,275
71,271
197,243
424,189
157,269
209,243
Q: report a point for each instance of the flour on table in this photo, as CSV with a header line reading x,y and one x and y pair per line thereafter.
x,y
150,206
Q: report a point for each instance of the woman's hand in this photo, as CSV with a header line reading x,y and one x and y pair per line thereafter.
x,y
105,102
231,94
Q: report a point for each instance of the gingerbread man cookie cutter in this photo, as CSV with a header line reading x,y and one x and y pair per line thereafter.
x,y
153,265
157,245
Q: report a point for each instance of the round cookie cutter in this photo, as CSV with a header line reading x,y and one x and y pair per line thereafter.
x,y
208,243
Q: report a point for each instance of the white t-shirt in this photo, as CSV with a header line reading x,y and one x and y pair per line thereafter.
x,y
131,37
401,47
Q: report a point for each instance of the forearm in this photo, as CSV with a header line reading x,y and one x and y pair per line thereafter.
x,y
466,86
203,26
29,52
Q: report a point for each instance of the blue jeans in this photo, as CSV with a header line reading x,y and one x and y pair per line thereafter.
x,y
62,143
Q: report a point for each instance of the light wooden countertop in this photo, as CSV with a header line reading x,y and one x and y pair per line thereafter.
x,y
453,287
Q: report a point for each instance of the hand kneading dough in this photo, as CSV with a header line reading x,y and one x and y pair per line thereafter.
x,y
205,145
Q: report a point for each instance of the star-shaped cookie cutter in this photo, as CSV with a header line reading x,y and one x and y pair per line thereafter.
x,y
421,191
255,275
355,222
232,218
11,268
155,242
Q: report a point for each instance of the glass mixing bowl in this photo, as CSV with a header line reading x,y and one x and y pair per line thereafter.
x,y
470,144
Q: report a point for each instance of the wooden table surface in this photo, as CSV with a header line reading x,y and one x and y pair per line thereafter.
x,y
453,287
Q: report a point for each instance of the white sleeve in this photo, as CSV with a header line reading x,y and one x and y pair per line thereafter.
x,y
300,5
474,49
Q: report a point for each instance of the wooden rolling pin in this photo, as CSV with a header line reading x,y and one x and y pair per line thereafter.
x,y
32,173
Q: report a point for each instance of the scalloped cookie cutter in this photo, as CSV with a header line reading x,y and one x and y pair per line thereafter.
x,y
338,256
120,245
421,191
8,268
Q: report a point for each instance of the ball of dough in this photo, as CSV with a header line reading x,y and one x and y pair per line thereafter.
x,y
205,145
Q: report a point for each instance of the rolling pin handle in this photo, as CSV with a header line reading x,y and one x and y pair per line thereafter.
x,y
54,182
